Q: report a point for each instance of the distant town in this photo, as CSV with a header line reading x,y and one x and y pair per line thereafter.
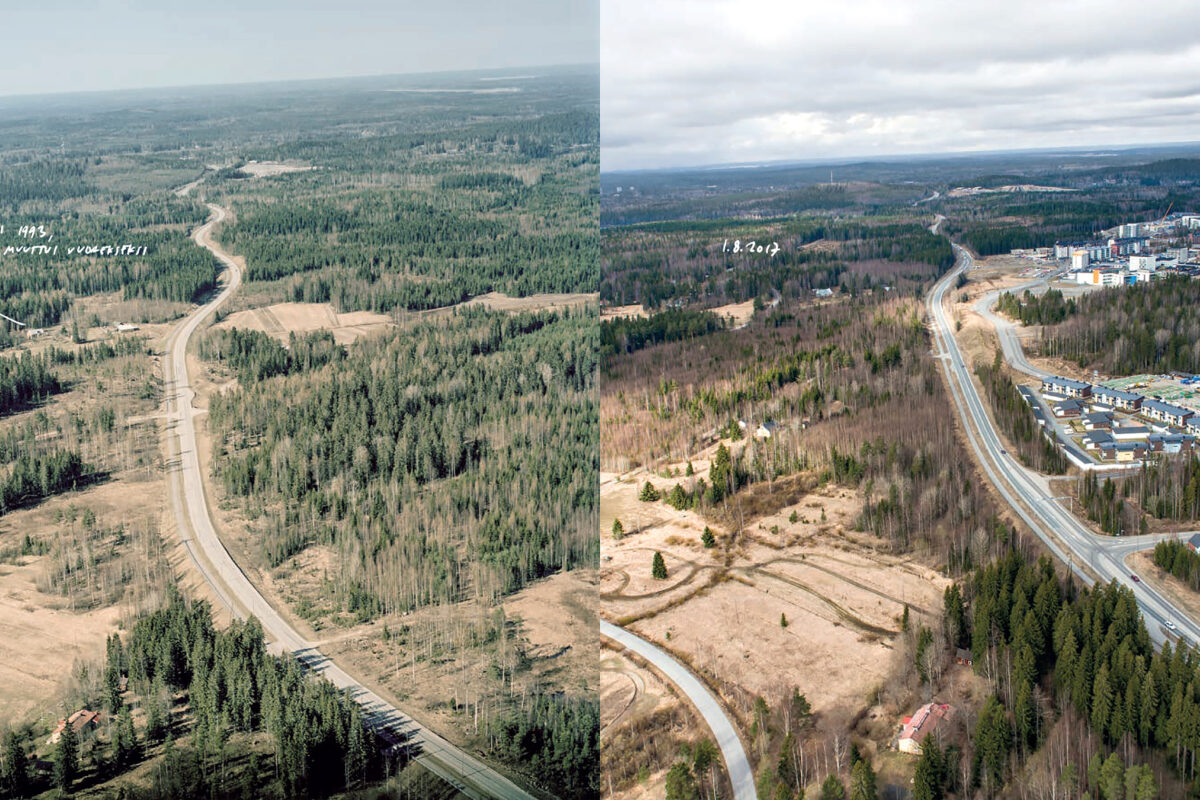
x,y
1135,252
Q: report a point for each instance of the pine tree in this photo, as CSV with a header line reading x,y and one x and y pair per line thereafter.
x,y
783,620
649,494
618,530
659,567
708,538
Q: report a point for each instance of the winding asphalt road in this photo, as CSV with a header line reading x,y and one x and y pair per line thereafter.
x,y
1090,556
740,774
466,773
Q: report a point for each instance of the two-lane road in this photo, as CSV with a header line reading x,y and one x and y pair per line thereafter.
x,y
468,774
740,774
1089,555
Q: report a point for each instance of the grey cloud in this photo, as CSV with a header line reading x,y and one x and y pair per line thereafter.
x,y
718,81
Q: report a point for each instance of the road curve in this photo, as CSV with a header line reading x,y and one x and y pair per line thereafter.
x,y
1086,553
740,774
466,773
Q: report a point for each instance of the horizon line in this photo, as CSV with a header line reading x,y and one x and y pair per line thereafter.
x,y
848,160
271,81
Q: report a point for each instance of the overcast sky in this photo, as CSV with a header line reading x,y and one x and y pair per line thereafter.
x,y
693,82
73,45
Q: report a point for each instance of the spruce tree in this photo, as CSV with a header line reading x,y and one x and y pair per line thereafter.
x,y
862,781
659,568
66,759
708,538
680,783
832,788
929,778
14,769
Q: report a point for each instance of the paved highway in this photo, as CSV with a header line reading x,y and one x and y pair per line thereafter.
x,y
468,774
740,774
1089,555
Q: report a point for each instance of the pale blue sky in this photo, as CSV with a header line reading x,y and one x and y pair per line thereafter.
x,y
88,45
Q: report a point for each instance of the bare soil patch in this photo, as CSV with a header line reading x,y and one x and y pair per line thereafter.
x,y
841,595
266,169
738,314
498,301
282,319
634,311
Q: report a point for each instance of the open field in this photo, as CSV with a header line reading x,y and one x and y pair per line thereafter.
x,y
266,169
498,301
632,311
843,600
51,623
738,314
282,319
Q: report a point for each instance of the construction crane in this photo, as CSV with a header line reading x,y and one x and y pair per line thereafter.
x,y
1164,219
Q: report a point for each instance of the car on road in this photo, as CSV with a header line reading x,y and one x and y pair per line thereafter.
x,y
1135,578
1171,626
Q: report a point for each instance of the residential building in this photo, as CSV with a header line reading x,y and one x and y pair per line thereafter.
x,y
920,725
1166,412
766,430
1067,408
1117,398
1129,433
1065,387
82,721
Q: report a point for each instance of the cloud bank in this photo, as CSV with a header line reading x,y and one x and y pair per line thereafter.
x,y
691,82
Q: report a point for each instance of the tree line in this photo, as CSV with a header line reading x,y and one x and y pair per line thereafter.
x,y
1048,308
1146,327
626,334
25,381
322,744
256,356
1052,649
1015,417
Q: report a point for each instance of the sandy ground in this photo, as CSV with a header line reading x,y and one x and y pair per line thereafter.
x,y
265,169
634,311
842,600
738,313
497,301
282,319
40,641
41,638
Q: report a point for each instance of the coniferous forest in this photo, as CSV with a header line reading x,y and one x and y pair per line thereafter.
x,y
442,461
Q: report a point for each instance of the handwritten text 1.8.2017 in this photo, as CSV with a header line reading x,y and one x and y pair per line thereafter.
x,y
738,246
